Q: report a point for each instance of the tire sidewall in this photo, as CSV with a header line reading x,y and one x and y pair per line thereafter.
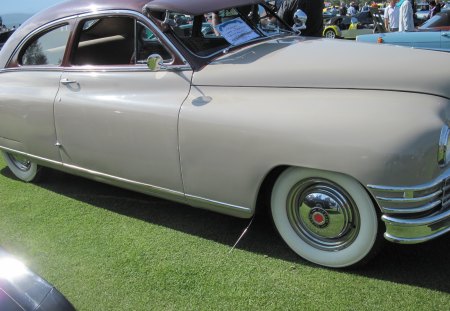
x,y
357,250
28,175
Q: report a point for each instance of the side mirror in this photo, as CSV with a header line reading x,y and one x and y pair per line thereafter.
x,y
300,19
155,62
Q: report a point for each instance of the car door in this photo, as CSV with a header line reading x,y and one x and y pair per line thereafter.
x,y
29,85
445,40
426,39
114,117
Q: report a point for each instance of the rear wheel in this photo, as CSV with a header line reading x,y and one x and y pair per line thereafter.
x,y
22,167
330,34
326,218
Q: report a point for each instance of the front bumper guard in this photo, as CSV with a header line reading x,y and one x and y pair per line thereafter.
x,y
415,214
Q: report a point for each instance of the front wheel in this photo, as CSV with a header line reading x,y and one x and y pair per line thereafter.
x,y
330,34
22,167
326,218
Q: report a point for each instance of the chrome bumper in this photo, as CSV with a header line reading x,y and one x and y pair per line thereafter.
x,y
415,214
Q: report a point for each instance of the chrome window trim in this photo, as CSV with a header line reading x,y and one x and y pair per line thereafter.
x,y
139,17
126,67
121,68
32,68
43,28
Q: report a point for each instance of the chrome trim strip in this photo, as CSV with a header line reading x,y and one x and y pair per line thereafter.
x,y
124,180
410,200
411,231
32,157
402,240
417,188
442,149
219,204
124,68
425,221
421,209
404,214
165,193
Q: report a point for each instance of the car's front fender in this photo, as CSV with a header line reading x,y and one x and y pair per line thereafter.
x,y
231,137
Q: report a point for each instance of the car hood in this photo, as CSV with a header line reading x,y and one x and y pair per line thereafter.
x,y
326,63
402,36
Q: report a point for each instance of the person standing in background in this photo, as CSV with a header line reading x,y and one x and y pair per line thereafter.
x,y
406,16
392,16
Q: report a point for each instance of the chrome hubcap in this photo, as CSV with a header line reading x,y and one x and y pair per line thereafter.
x,y
20,162
323,214
330,35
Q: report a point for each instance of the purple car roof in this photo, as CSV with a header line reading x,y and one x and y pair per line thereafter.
x,y
76,7
196,7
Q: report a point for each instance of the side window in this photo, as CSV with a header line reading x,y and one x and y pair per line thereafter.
x,y
117,40
147,44
47,49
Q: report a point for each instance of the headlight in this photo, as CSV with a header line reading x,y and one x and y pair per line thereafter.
x,y
443,152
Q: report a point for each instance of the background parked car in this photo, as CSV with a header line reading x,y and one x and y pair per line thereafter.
x,y
23,290
348,27
433,34
422,11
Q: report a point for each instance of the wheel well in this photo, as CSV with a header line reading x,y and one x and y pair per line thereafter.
x,y
265,190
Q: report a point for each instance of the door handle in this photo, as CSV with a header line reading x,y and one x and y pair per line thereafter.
x,y
66,81
446,34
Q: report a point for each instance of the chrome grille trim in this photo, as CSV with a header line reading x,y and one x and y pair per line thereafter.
x,y
421,209
410,200
415,214
415,199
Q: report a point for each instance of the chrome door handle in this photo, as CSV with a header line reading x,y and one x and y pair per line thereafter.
x,y
66,81
446,34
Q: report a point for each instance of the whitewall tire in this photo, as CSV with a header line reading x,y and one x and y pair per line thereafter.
x,y
326,218
21,167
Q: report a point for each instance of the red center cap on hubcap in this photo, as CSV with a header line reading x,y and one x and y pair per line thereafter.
x,y
319,218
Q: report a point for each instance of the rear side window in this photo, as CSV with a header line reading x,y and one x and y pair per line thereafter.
x,y
47,49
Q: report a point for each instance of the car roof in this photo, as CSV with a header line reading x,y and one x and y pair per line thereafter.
x,y
76,7
197,7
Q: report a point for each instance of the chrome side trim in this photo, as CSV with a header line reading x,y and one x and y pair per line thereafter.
x,y
177,196
415,214
226,208
50,163
127,183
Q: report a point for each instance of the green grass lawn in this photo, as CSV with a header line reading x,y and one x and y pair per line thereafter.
x,y
109,249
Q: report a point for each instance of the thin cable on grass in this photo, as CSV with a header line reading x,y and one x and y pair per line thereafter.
x,y
242,235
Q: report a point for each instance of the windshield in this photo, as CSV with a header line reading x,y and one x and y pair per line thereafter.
x,y
213,32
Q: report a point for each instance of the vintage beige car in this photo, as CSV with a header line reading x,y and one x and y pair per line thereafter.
x,y
133,94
